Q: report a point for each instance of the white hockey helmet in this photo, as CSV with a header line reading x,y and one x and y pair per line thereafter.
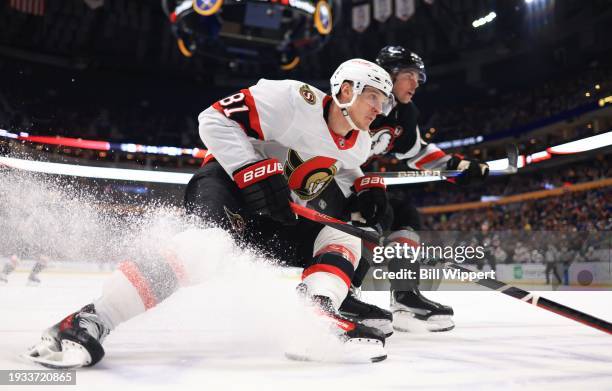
x,y
362,73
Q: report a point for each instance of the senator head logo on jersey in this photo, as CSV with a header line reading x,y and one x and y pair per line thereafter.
x,y
383,138
308,178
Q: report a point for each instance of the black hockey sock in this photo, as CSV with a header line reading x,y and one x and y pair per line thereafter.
x,y
360,272
410,272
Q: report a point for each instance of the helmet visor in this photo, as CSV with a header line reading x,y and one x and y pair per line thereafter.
x,y
379,100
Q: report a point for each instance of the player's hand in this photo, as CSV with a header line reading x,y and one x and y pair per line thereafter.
x,y
265,190
371,198
474,171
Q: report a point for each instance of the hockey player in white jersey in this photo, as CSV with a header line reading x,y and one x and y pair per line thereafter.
x,y
268,144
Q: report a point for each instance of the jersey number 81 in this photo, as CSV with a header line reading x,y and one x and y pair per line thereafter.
x,y
230,104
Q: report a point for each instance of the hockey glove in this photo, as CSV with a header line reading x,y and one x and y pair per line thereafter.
x,y
265,190
474,171
371,198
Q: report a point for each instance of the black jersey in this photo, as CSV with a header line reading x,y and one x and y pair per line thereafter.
x,y
398,135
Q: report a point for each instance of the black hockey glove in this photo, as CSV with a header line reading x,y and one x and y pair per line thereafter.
x,y
371,198
265,190
474,171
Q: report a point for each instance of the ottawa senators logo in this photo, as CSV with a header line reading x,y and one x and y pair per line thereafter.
x,y
308,95
308,178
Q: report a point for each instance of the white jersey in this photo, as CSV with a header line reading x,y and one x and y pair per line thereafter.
x,y
284,120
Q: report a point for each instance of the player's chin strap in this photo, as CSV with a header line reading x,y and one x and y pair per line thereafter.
x,y
491,283
344,109
348,118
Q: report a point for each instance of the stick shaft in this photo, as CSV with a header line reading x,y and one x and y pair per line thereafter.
x,y
511,153
433,173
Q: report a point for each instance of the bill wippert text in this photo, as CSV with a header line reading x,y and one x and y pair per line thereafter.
x,y
447,274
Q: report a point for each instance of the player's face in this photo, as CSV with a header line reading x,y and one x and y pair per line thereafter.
x,y
367,106
405,85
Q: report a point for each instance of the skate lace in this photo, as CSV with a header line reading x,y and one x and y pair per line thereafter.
x,y
94,326
355,292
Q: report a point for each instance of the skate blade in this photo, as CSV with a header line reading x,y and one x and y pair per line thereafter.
x,y
405,322
71,356
52,363
353,351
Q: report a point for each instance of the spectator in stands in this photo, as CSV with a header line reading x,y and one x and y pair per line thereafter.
x,y
521,253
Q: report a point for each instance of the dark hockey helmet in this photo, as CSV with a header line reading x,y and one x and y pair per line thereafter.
x,y
395,58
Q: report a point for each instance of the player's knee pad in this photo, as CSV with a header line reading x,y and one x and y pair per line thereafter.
x,y
348,245
405,235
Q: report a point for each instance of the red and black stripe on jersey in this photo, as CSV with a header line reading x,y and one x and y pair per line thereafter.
x,y
240,107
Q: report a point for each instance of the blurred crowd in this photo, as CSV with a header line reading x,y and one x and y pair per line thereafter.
x,y
140,122
514,109
554,177
104,107
118,108
556,250
555,231
573,211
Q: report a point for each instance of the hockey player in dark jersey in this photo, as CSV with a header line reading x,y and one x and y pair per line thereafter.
x,y
398,135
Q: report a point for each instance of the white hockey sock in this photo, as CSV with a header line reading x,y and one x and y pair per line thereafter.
x,y
120,301
328,285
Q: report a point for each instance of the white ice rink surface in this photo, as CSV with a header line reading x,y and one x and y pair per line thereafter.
x,y
499,343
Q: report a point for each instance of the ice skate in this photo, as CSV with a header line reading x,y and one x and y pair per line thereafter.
x,y
368,314
3,279
359,343
74,342
33,281
412,312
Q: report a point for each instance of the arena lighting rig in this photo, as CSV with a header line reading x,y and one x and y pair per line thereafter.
x,y
573,147
274,32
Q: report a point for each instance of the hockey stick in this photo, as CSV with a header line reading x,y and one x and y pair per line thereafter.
x,y
511,152
490,283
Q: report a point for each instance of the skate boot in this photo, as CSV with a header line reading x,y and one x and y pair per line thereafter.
x,y
412,312
359,343
38,267
368,314
74,342
33,280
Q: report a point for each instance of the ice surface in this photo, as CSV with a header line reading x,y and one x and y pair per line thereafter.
x,y
230,332
197,340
